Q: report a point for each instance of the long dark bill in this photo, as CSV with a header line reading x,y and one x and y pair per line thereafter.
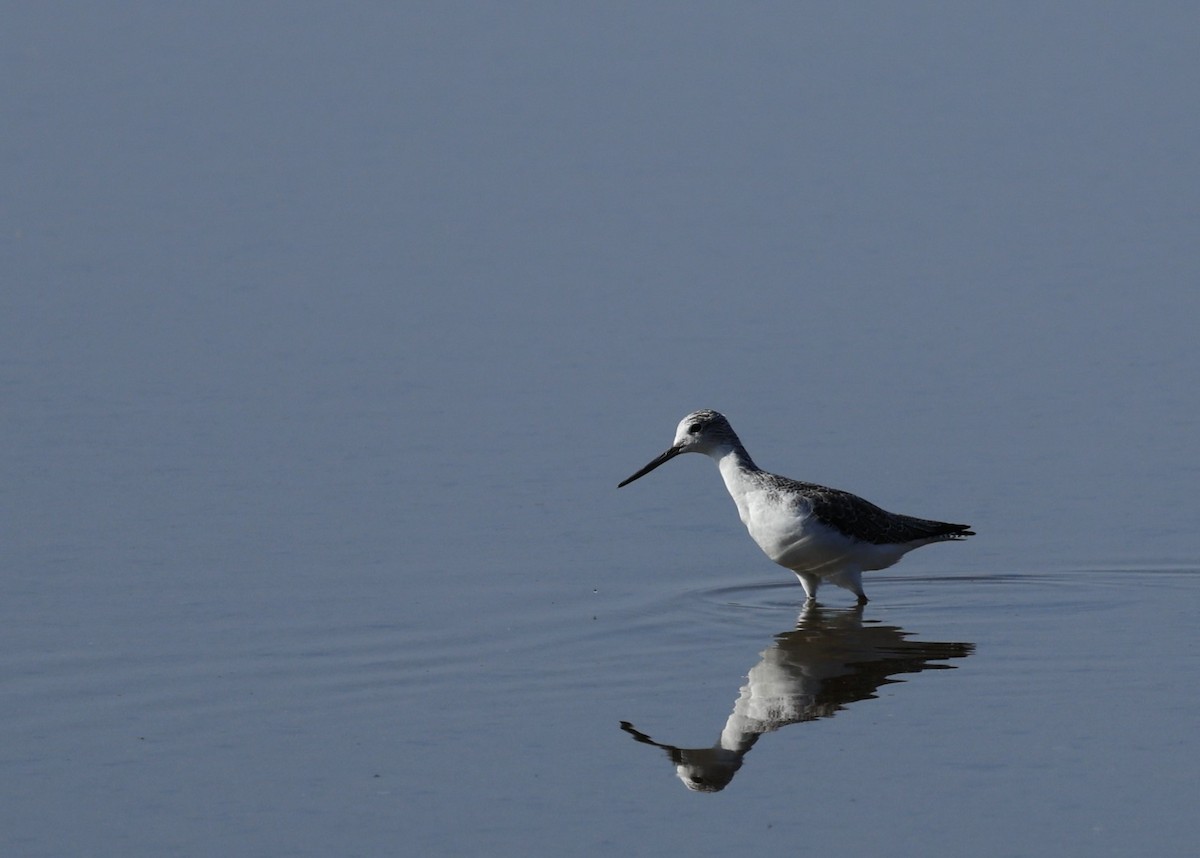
x,y
665,457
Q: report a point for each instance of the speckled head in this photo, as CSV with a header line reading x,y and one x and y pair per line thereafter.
x,y
704,431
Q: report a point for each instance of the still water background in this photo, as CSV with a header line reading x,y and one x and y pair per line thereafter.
x,y
327,332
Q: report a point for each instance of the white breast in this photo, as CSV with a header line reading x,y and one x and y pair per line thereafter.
x,y
788,533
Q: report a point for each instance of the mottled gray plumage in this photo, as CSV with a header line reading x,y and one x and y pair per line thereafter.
x,y
857,517
821,534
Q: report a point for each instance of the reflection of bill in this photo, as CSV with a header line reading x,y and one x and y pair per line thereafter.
x,y
829,660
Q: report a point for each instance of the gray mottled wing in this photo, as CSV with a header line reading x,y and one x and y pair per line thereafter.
x,y
863,520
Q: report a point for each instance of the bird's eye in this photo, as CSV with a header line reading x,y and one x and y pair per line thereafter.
x,y
694,428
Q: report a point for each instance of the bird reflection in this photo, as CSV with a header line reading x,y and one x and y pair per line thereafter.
x,y
829,660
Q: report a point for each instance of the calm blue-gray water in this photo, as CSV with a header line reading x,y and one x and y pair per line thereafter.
x,y
326,333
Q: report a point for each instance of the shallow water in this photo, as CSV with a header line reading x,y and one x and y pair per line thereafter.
x,y
1057,700
325,340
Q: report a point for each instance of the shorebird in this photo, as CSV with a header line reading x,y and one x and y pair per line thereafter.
x,y
821,534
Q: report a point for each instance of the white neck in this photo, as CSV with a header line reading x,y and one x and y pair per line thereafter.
x,y
736,468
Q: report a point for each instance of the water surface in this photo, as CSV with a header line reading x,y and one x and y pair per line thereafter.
x,y
326,335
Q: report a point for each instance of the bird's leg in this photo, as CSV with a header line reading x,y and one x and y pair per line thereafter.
x,y
851,579
810,583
